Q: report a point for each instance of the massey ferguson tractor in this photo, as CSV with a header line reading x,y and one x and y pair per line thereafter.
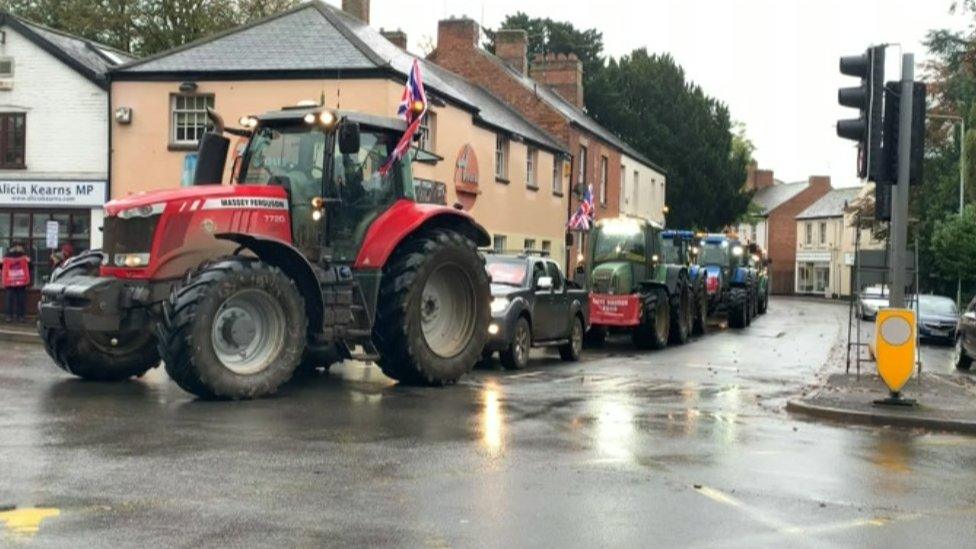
x,y
634,287
312,247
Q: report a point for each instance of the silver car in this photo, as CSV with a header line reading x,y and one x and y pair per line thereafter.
x,y
871,300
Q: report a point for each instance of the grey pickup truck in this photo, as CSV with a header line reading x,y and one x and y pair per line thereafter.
x,y
533,305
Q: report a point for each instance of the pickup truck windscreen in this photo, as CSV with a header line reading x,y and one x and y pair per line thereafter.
x,y
509,273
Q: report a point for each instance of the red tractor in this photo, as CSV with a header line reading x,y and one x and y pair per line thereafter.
x,y
313,248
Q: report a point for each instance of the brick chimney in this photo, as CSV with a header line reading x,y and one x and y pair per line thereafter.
x,y
820,182
563,73
512,46
397,37
757,179
458,34
357,8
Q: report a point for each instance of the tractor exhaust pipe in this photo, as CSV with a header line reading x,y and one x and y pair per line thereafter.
x,y
212,154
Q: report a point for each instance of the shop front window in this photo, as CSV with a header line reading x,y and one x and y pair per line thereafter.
x,y
30,229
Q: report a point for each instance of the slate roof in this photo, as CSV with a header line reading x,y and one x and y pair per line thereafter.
x,y
573,113
831,204
91,59
770,198
315,38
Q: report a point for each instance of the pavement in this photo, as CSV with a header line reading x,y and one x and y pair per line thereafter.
x,y
17,332
689,447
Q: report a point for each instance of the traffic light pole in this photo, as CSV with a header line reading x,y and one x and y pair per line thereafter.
x,y
900,192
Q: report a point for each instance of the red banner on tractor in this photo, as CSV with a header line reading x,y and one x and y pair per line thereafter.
x,y
615,310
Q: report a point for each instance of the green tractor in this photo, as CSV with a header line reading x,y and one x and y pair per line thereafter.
x,y
634,288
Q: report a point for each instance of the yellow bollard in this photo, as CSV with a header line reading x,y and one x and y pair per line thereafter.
x,y
894,341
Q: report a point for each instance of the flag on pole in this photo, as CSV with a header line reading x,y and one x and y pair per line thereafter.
x,y
413,107
582,220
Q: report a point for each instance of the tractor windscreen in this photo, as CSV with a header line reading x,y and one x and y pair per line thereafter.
x,y
715,253
671,251
290,156
619,242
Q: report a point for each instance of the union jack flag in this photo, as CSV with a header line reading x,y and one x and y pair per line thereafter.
x,y
413,107
582,220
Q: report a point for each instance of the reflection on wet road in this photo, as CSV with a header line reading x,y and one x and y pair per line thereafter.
x,y
687,447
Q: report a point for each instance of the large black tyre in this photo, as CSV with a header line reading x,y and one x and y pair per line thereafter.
x,y
960,359
738,308
97,356
572,350
700,324
235,329
654,330
763,302
516,355
681,314
421,338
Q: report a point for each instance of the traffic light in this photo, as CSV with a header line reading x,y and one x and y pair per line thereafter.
x,y
890,141
868,98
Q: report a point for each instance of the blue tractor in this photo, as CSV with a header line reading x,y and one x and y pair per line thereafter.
x,y
682,248
730,282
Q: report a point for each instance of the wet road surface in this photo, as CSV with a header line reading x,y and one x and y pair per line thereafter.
x,y
687,447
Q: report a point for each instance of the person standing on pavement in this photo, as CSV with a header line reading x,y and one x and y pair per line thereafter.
x,y
60,257
16,279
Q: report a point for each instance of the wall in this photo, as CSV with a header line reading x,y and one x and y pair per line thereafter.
x,y
829,252
759,227
647,198
67,136
142,160
782,234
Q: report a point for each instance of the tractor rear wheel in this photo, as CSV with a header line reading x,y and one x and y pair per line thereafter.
x,y
433,314
738,308
654,330
236,329
701,309
93,355
681,314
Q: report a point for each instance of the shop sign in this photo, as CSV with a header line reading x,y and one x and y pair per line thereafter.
x,y
466,174
62,194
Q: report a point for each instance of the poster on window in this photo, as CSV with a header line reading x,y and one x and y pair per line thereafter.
x,y
51,235
62,194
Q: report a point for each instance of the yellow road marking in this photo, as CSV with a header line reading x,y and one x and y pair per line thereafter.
x,y
26,521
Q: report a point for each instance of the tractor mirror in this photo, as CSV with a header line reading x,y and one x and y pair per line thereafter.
x,y
349,141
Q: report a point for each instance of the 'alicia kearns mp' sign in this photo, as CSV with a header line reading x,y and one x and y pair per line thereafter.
x,y
62,194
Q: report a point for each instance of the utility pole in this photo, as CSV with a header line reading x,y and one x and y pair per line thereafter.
x,y
900,194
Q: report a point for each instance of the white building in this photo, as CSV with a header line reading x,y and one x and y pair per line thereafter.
x,y
54,139
642,189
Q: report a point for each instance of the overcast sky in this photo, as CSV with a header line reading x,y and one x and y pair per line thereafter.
x,y
774,62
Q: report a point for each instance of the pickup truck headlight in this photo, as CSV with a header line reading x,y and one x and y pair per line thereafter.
x,y
499,304
143,211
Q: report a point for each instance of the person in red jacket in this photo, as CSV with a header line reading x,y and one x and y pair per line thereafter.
x,y
16,279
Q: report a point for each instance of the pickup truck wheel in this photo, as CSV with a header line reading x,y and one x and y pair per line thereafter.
x,y
571,351
960,359
516,356
97,356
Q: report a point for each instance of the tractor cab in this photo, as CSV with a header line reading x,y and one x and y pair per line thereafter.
x,y
623,252
679,247
329,163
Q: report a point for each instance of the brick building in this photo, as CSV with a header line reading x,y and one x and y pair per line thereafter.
x,y
773,226
549,92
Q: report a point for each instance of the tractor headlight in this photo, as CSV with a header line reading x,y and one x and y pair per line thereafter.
x,y
327,118
131,261
499,304
738,251
143,211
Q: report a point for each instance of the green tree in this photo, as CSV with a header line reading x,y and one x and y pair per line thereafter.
x,y
954,246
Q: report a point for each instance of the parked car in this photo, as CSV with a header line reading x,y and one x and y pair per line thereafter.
x,y
533,305
965,351
937,317
871,300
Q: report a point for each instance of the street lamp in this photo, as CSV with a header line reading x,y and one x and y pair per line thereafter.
x,y
962,178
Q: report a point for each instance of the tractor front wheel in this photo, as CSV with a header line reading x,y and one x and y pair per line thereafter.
x,y
433,313
738,308
681,314
701,309
92,355
236,329
655,328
